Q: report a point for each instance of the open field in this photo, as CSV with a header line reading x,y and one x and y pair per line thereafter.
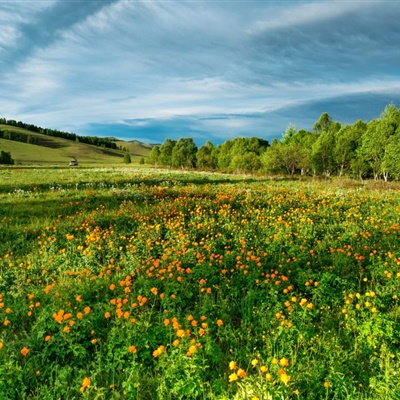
x,y
51,150
123,283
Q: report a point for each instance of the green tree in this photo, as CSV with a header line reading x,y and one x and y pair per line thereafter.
x,y
5,158
154,156
184,153
127,158
31,139
323,124
289,133
233,153
323,150
8,135
166,152
390,160
206,156
376,138
271,159
348,139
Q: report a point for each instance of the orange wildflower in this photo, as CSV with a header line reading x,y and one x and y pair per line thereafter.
x,y
154,290
159,351
85,384
132,349
25,351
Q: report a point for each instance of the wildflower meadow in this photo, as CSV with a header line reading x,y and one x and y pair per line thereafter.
x,y
123,283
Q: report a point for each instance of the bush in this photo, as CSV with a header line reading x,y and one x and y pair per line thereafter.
x,y
5,158
127,158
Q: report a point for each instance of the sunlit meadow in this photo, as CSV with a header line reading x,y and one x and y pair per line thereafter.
x,y
143,284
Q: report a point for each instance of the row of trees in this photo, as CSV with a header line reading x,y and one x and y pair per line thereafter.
x,y
9,135
93,140
239,154
362,150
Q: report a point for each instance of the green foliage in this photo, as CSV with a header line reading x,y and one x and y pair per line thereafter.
x,y
5,158
184,153
206,156
127,158
166,148
154,157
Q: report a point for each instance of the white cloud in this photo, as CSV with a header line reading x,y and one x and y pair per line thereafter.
x,y
284,17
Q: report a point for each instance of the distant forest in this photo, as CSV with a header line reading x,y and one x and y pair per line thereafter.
x,y
361,150
9,134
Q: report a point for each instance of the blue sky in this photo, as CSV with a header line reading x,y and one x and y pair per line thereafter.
x,y
211,70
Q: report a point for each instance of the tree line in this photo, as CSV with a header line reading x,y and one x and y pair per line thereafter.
x,y
361,150
93,140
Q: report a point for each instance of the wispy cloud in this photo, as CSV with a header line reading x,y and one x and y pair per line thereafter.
x,y
209,68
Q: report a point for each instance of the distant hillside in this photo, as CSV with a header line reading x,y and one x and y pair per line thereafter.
x,y
59,151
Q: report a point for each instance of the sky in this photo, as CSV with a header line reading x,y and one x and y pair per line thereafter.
x,y
210,70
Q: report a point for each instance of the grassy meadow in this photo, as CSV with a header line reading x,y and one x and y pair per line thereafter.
x,y
124,283
51,151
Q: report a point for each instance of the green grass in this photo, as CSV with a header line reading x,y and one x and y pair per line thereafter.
x,y
58,151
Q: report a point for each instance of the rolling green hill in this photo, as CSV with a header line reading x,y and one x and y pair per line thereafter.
x,y
51,150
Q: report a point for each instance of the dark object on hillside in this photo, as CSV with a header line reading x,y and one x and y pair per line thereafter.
x,y
73,163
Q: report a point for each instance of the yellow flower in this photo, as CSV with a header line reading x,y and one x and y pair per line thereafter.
x,y
232,365
284,362
241,372
263,369
274,361
254,362
192,350
233,377
180,333
283,376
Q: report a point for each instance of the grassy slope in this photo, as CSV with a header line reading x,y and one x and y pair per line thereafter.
x,y
135,148
53,150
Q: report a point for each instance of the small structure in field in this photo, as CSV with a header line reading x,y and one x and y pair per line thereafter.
x,y
73,163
